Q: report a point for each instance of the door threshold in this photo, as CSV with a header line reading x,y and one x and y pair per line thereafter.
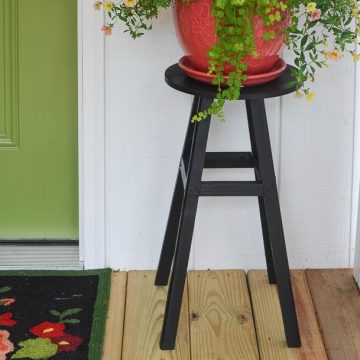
x,y
39,255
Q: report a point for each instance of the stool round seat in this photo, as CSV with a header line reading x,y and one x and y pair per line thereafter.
x,y
284,84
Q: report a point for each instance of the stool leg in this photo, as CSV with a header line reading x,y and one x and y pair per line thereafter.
x,y
171,232
265,232
186,228
267,244
257,119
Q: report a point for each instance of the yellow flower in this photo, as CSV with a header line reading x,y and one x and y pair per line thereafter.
x,y
355,56
325,43
298,93
130,3
311,6
97,5
356,11
108,6
310,96
333,55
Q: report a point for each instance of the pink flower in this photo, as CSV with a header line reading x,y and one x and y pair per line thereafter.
x,y
316,15
6,345
97,6
107,29
7,302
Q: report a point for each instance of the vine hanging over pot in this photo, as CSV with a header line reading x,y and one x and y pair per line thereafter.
x,y
316,32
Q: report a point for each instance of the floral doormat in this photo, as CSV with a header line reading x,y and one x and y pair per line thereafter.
x,y
53,314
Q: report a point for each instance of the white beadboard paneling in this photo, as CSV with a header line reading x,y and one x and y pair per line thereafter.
x,y
135,235
145,127
228,230
146,124
316,170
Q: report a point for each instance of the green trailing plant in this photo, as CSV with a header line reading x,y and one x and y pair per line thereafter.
x,y
318,32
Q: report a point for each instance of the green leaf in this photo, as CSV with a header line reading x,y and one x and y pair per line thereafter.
x,y
70,312
35,349
55,312
304,40
311,24
5,289
72,321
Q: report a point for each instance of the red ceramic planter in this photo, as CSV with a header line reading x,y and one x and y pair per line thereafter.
x,y
195,29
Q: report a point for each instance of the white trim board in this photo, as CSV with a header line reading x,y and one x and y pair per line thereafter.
x,y
91,122
355,214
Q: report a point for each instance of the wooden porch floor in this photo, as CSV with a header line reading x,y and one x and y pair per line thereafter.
x,y
232,315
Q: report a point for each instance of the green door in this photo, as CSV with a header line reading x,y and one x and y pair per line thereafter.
x,y
38,119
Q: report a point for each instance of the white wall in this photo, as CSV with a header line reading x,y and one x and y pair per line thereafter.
x,y
145,126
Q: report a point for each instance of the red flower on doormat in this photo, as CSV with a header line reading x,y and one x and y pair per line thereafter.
x,y
51,337
67,342
7,320
48,330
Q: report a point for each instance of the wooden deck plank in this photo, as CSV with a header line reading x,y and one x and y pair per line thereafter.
x,y
145,304
337,303
268,320
115,318
312,343
269,324
221,323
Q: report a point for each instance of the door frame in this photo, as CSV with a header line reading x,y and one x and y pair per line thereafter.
x,y
91,136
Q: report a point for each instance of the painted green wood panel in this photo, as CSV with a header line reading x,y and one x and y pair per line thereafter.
x,y
38,164
2,73
9,129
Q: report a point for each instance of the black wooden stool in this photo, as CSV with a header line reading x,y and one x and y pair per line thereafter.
x,y
189,186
